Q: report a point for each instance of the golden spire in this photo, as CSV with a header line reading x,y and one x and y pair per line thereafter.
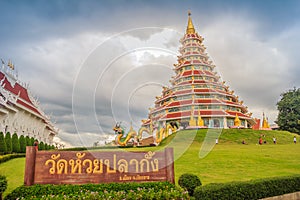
x,y
265,123
200,120
190,27
192,121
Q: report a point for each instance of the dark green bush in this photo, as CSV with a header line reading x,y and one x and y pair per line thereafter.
x,y
3,148
22,141
154,190
15,143
41,146
3,185
28,141
8,142
189,182
31,141
10,156
255,189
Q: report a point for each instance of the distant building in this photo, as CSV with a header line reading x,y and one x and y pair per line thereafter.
x,y
19,111
197,97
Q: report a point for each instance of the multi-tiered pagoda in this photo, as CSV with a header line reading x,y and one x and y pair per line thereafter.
x,y
197,97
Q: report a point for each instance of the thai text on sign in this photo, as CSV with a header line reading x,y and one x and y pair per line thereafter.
x,y
73,167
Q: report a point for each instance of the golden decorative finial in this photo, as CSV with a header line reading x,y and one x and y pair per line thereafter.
x,y
200,120
190,27
10,65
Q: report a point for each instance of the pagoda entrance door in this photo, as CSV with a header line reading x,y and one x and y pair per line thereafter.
x,y
216,123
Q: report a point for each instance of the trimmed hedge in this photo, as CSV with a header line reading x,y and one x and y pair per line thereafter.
x,y
15,143
11,156
8,142
3,147
153,190
189,182
255,189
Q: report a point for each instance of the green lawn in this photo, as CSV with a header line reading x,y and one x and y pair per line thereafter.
x,y
14,172
230,160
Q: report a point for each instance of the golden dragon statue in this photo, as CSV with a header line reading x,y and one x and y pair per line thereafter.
x,y
164,132
122,141
160,133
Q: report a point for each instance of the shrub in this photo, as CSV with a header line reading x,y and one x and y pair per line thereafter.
x,y
28,141
8,142
22,141
154,190
189,182
3,185
255,189
41,146
15,143
31,141
2,143
10,156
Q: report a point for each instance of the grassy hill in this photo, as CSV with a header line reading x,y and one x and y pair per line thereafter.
x,y
230,160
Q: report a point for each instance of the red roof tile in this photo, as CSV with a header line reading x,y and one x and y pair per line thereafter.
x,y
183,92
233,114
208,101
21,91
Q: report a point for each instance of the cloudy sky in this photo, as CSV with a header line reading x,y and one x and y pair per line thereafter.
x,y
91,63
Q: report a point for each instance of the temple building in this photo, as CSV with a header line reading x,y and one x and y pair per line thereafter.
x,y
197,97
19,112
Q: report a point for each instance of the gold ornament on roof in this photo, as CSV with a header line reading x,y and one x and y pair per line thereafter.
x,y
190,27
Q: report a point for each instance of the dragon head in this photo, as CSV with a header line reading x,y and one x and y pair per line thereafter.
x,y
118,129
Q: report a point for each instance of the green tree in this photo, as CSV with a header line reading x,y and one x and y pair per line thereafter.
x,y
32,141
46,146
15,143
22,141
8,142
2,144
28,141
289,111
41,146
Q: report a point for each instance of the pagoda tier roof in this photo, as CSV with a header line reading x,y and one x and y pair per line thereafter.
x,y
180,103
200,101
157,108
196,72
239,114
195,91
199,82
183,92
190,82
19,91
186,63
205,113
194,53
